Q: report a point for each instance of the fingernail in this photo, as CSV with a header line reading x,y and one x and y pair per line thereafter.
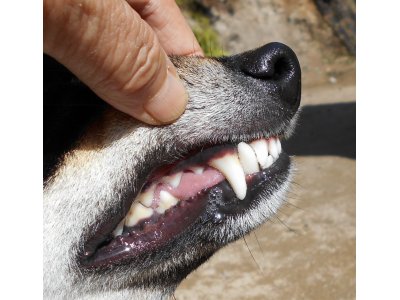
x,y
170,102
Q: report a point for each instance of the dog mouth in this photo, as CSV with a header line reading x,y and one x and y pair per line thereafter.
x,y
224,178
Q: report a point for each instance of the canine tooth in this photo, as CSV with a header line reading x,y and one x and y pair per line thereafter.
x,y
273,148
270,161
166,201
260,147
146,197
173,180
231,168
137,213
120,227
196,170
247,158
278,143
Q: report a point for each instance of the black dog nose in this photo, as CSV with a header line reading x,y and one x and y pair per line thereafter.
x,y
277,63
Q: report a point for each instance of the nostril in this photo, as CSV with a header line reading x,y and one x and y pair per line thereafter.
x,y
273,69
281,68
273,61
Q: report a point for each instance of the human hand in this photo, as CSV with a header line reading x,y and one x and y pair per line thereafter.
x,y
119,49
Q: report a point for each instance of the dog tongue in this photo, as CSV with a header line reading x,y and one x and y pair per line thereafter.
x,y
190,184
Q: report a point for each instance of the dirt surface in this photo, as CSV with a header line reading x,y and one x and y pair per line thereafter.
x,y
308,250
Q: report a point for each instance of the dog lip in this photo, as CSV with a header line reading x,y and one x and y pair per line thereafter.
x,y
213,204
147,236
99,233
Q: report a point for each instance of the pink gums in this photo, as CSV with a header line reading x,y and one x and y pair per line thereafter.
x,y
190,185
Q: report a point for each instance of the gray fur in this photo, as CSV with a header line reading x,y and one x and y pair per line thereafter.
x,y
117,153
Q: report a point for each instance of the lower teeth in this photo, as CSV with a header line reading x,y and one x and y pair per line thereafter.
x,y
232,166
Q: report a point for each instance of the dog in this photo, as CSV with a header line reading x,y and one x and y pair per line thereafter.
x,y
131,209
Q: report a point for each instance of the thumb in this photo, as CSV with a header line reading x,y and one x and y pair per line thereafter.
x,y
111,49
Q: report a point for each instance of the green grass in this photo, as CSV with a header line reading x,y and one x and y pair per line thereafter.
x,y
205,34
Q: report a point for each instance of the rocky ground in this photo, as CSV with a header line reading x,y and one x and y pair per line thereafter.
x,y
308,250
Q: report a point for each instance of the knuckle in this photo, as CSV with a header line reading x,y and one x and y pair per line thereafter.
x,y
138,67
148,66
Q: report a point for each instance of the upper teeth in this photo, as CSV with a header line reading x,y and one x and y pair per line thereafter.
x,y
248,159
230,166
273,148
260,147
278,143
173,180
196,170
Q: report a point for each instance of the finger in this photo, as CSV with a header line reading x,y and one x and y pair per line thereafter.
x,y
111,49
172,30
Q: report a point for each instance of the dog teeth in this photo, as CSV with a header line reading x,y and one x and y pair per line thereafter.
x,y
136,213
247,158
173,180
278,143
120,227
166,201
270,161
260,147
273,148
196,170
231,168
146,197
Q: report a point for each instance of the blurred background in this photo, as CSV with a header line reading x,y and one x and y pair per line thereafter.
x,y
308,250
